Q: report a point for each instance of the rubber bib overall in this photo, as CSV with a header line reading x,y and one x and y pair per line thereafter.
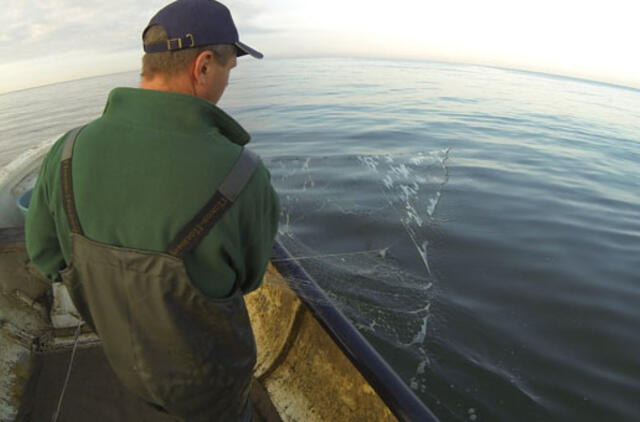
x,y
176,348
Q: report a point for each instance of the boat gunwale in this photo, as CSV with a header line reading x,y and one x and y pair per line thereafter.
x,y
402,402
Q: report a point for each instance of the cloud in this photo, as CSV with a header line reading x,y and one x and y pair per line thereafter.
x,y
246,10
51,27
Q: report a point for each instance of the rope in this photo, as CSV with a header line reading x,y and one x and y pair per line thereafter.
x,y
54,418
381,251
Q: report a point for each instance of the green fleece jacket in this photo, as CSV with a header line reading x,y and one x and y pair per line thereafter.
x,y
140,173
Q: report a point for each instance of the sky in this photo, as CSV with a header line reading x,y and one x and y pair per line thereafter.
x,y
47,41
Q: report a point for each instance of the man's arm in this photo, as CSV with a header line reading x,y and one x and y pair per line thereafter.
x,y
40,230
262,231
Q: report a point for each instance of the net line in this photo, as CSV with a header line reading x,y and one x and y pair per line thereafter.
x,y
384,297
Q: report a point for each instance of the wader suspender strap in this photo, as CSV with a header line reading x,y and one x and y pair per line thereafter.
x,y
67,183
222,199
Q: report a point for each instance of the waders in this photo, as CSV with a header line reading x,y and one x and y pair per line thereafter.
x,y
176,348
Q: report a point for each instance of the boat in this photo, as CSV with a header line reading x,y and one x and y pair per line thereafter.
x,y
312,364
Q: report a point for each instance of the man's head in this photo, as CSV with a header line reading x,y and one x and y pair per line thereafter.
x,y
191,46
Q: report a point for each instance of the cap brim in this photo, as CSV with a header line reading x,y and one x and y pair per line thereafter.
x,y
244,49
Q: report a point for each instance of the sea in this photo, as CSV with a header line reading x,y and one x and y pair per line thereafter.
x,y
480,226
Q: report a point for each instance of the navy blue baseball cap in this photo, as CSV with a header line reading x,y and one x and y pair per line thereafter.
x,y
196,23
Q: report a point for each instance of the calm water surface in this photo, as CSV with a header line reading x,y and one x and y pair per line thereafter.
x,y
480,226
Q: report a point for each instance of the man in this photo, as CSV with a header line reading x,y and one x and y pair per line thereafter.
x,y
157,220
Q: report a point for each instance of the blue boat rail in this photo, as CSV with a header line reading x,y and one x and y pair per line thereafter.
x,y
404,404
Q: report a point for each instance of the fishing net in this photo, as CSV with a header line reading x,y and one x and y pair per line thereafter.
x,y
360,225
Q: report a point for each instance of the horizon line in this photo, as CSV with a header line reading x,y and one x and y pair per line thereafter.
x,y
411,59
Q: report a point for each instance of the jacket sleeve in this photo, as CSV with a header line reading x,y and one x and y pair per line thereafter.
x,y
261,231
41,236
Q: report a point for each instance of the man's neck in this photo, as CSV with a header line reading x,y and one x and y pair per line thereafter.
x,y
179,84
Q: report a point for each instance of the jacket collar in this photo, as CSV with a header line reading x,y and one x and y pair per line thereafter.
x,y
172,112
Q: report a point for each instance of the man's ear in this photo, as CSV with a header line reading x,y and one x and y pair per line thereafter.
x,y
202,66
